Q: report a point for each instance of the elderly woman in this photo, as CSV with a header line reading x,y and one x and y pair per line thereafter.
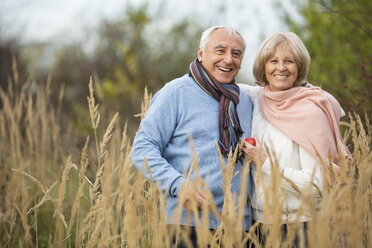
x,y
298,125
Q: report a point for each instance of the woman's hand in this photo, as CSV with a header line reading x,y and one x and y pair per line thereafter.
x,y
254,153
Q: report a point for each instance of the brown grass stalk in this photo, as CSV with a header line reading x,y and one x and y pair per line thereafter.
x,y
122,209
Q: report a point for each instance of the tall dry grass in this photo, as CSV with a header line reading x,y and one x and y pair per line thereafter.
x,y
50,198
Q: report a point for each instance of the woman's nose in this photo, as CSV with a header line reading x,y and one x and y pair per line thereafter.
x,y
281,66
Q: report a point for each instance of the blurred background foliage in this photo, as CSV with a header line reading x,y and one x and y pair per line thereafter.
x,y
127,57
123,56
338,35
127,54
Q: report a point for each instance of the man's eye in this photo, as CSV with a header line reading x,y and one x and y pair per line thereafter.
x,y
236,55
220,51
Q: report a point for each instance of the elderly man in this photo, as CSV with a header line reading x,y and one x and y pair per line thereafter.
x,y
207,105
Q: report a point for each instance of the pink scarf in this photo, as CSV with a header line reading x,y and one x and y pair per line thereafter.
x,y
309,116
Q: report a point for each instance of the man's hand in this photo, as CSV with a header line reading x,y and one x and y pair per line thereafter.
x,y
192,197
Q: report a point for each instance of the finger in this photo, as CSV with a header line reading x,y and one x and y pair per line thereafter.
x,y
248,145
246,148
201,202
201,193
187,205
201,196
198,197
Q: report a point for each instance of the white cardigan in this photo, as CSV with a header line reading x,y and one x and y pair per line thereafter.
x,y
295,164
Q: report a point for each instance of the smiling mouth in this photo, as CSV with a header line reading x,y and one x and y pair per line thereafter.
x,y
224,69
280,76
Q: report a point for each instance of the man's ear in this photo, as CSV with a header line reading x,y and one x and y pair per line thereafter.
x,y
200,55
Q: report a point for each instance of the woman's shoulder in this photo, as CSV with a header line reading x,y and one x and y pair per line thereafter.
x,y
334,102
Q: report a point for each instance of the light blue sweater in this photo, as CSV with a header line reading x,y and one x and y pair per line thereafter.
x,y
181,108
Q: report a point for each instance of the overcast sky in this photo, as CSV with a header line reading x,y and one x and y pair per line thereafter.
x,y
61,21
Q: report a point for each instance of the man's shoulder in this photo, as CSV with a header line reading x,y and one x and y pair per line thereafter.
x,y
176,89
177,83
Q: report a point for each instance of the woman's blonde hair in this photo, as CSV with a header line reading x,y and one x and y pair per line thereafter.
x,y
267,50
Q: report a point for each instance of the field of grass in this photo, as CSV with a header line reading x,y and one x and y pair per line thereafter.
x,y
58,192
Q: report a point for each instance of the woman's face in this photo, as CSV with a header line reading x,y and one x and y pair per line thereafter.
x,y
281,69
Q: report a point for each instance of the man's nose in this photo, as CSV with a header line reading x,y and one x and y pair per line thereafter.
x,y
228,58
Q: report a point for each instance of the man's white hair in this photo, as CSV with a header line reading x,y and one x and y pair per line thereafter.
x,y
207,33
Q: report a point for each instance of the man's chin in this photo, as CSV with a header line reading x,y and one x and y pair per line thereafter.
x,y
225,81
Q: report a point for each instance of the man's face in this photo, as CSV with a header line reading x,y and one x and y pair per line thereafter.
x,y
223,55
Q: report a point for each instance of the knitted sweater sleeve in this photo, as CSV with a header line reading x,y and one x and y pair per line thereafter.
x,y
154,135
299,169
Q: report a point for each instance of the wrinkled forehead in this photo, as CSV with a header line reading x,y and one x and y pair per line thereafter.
x,y
221,38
